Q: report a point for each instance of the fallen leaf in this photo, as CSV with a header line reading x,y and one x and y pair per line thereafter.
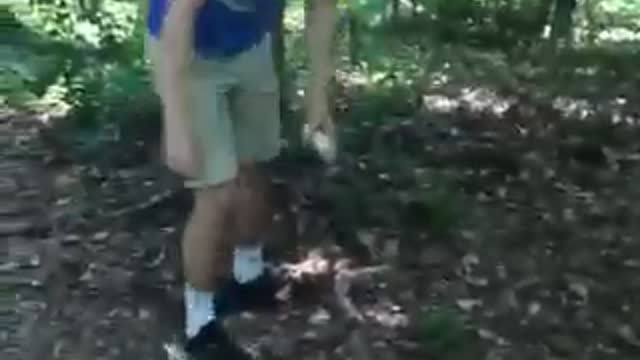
x,y
320,317
70,239
100,236
10,226
476,280
580,289
470,260
58,349
63,201
8,267
501,272
144,314
627,334
632,263
309,335
489,335
389,320
468,304
368,240
534,308
390,250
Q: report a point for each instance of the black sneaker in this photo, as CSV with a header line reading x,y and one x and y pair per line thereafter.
x,y
213,342
256,295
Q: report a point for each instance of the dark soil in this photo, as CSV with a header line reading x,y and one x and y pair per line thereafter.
x,y
508,237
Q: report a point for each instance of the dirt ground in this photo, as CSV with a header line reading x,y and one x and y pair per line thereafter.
x,y
504,240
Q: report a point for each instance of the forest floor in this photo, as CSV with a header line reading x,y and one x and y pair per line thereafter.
x,y
508,235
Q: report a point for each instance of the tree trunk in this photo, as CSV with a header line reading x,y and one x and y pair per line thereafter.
x,y
395,11
278,43
415,4
562,23
543,15
291,128
353,29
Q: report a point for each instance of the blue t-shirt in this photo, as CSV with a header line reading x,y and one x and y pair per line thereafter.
x,y
219,29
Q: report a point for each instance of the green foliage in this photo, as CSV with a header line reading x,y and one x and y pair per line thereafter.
x,y
88,54
443,333
14,88
23,74
376,105
111,22
24,63
90,51
617,12
368,11
444,211
111,105
71,38
100,89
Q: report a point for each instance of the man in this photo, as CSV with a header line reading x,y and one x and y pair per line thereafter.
x,y
214,72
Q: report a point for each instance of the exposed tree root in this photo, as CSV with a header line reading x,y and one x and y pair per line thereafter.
x,y
154,200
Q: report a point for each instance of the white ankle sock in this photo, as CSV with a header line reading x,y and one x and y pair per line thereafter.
x,y
248,263
199,309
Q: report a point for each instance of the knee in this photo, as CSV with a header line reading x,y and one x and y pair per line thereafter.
x,y
251,178
214,200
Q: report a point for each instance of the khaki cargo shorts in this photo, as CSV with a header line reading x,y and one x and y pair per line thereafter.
x,y
236,110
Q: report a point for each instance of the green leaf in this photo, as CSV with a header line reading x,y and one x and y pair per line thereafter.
x,y
442,331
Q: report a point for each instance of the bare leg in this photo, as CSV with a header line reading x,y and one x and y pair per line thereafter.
x,y
251,210
252,287
207,254
206,248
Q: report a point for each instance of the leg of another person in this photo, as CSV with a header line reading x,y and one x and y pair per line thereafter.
x,y
255,110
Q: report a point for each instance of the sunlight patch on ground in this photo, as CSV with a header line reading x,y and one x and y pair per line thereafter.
x,y
474,99
572,107
618,35
583,109
388,316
